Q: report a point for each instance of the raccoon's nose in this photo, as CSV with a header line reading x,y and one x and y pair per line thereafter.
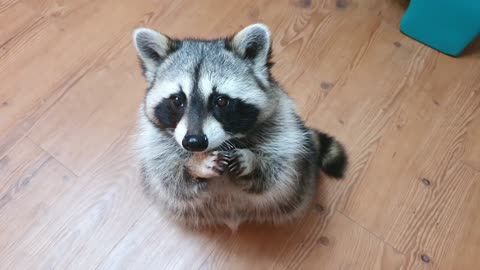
x,y
195,143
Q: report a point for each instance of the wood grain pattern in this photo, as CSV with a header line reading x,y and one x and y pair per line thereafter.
x,y
92,103
70,193
472,147
56,58
153,241
88,220
21,15
32,182
313,242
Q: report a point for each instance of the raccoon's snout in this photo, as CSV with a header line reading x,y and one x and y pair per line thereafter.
x,y
195,143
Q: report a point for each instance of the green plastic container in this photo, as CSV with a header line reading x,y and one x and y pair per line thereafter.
x,y
448,26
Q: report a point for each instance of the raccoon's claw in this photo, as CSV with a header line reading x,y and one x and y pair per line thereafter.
x,y
226,160
235,164
219,167
218,170
220,162
207,167
236,170
232,162
225,156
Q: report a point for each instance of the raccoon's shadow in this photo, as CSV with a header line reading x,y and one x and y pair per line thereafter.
x,y
265,246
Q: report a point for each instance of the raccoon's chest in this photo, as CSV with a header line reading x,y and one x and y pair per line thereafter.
x,y
223,187
225,203
226,197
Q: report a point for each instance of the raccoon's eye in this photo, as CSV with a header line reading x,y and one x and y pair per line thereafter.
x,y
221,101
176,101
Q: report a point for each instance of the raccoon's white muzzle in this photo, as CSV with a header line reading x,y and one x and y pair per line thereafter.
x,y
210,137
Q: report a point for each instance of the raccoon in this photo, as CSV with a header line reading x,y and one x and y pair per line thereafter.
x,y
220,142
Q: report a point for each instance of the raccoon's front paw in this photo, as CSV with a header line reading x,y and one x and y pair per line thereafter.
x,y
217,163
240,162
207,166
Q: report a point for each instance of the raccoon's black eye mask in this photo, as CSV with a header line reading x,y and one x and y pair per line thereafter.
x,y
170,110
236,116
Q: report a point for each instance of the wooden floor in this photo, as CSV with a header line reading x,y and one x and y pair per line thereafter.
x,y
69,184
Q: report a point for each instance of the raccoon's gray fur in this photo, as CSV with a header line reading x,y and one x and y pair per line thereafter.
x,y
220,142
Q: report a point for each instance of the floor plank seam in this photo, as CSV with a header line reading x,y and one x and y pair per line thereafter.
x,y
30,174
370,232
76,76
10,148
122,238
52,156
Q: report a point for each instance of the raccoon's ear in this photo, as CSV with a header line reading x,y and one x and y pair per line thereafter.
x,y
254,43
152,48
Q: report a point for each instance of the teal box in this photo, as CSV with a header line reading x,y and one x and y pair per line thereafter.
x,y
448,26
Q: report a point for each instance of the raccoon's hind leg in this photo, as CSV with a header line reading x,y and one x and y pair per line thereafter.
x,y
332,158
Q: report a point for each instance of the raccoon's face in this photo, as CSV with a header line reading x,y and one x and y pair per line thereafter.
x,y
205,92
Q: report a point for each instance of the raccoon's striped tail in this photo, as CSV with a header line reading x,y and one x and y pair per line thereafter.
x,y
332,158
